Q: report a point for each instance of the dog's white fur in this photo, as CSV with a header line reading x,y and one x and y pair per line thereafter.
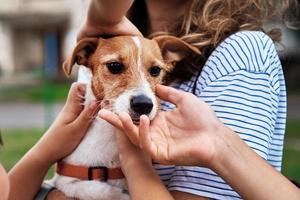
x,y
99,147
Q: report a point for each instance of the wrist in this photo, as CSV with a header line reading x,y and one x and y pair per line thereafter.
x,y
134,165
225,149
43,151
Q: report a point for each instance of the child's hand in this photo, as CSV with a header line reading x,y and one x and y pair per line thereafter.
x,y
131,155
69,127
191,134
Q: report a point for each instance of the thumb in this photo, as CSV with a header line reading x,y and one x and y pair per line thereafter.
x,y
170,94
87,116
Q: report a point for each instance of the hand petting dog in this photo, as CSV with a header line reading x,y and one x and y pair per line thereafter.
x,y
59,141
70,126
169,139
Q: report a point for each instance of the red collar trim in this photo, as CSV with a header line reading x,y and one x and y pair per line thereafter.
x,y
88,173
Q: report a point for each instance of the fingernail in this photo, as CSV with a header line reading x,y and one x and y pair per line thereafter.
x,y
123,115
93,105
82,88
105,103
103,112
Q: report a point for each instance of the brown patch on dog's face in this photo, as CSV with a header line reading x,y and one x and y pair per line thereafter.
x,y
126,69
138,64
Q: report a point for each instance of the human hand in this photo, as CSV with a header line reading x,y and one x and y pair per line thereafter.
x,y
96,29
107,18
131,155
190,134
69,127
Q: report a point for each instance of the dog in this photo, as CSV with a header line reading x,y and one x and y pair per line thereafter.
x,y
123,72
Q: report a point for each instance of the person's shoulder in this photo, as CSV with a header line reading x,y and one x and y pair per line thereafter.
x,y
251,53
245,50
250,39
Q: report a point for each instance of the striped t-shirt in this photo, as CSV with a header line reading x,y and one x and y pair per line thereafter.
x,y
243,82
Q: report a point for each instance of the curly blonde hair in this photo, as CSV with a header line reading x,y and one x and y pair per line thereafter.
x,y
208,22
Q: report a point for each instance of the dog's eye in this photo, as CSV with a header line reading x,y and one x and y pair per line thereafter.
x,y
115,67
155,71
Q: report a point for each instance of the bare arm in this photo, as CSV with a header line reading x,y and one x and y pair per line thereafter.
x,y
108,18
198,138
108,12
67,131
250,175
143,182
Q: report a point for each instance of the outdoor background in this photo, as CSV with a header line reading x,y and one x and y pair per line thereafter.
x,y
35,38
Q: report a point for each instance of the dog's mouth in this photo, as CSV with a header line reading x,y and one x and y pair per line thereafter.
x,y
134,117
135,121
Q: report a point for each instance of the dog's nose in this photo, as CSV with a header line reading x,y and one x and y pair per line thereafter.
x,y
141,104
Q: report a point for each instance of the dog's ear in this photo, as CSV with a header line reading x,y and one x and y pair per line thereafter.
x,y
174,49
83,50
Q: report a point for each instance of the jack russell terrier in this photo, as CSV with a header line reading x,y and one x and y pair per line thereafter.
x,y
123,71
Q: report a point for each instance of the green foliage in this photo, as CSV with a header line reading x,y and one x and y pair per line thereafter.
x,y
16,143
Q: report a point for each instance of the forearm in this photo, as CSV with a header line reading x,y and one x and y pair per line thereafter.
x,y
250,175
107,12
144,184
27,175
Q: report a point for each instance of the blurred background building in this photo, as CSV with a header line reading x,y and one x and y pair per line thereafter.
x,y
36,35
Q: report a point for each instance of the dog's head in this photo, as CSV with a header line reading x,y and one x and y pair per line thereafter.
x,y
126,69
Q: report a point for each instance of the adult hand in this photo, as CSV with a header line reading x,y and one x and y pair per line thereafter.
x,y
69,127
190,134
96,29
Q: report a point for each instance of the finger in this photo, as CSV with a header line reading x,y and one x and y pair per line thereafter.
x,y
81,35
76,95
128,28
111,118
145,140
86,117
122,140
129,128
88,33
170,94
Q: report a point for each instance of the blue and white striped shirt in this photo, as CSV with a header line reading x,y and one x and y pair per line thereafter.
x,y
243,82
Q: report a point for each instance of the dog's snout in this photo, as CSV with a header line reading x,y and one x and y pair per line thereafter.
x,y
141,104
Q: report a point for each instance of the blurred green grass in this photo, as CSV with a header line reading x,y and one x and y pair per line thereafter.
x,y
293,128
18,141
291,154
45,91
